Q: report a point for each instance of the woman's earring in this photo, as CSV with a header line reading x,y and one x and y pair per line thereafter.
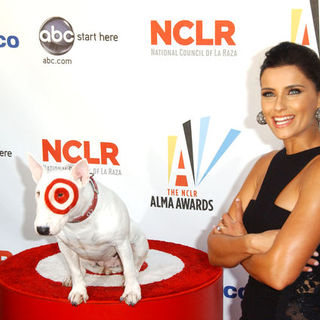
x,y
262,120
317,115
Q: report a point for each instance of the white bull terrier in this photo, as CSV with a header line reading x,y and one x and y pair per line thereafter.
x,y
92,227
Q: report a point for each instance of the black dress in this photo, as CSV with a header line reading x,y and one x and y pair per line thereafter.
x,y
300,300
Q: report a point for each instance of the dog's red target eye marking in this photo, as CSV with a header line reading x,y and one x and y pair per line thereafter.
x,y
61,196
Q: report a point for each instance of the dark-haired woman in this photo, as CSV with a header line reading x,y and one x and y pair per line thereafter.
x,y
279,229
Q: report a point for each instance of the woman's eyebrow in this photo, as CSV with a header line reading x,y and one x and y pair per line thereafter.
x,y
287,87
295,85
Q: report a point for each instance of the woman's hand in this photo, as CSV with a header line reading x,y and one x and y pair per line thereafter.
x,y
232,226
311,262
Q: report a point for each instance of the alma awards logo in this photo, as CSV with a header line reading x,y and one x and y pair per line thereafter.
x,y
184,170
302,22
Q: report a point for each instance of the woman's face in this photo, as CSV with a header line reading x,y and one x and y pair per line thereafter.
x,y
289,101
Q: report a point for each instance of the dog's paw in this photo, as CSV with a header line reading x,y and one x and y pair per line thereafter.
x,y
67,282
114,270
78,295
131,295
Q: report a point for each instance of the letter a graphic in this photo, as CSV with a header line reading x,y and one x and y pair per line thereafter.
x,y
181,180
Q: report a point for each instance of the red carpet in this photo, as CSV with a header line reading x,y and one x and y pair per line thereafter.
x,y
194,293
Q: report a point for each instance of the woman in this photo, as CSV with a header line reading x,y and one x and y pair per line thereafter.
x,y
279,229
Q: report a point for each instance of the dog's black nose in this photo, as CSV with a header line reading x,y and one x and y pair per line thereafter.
x,y
44,231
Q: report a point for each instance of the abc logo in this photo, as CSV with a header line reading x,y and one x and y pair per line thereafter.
x,y
56,36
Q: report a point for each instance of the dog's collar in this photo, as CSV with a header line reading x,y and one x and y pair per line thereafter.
x,y
90,210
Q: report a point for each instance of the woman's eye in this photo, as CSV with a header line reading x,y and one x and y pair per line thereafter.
x,y
294,91
267,94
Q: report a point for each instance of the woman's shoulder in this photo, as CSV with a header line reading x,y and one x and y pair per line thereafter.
x,y
264,160
260,168
312,170
268,156
254,180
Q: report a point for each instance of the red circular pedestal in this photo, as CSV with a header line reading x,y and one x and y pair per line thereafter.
x,y
195,293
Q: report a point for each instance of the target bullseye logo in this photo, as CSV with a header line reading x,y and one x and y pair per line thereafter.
x,y
61,196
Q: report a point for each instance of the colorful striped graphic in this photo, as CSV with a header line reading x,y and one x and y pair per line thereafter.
x,y
314,4
204,125
295,22
231,136
172,142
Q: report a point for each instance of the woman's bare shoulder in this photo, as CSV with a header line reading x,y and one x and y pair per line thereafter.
x,y
263,162
253,181
312,171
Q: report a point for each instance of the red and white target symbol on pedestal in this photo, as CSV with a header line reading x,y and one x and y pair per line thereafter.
x,y
61,196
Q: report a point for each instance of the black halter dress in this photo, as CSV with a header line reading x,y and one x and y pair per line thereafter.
x,y
300,300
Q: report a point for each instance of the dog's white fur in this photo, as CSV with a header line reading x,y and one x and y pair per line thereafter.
x,y
97,243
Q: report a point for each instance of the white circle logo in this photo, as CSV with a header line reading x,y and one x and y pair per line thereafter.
x,y
56,36
161,266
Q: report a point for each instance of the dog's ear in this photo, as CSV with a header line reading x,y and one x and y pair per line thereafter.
x,y
81,171
35,168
